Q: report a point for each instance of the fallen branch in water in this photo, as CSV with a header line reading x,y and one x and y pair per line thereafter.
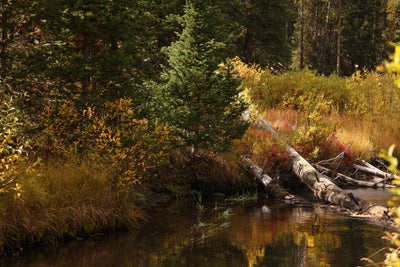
x,y
271,186
329,192
321,186
372,170
350,181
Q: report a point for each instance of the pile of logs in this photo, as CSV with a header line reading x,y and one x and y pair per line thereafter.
x,y
322,186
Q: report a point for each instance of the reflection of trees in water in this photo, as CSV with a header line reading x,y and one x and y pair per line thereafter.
x,y
273,235
303,236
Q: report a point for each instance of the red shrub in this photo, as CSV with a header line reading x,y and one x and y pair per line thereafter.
x,y
336,147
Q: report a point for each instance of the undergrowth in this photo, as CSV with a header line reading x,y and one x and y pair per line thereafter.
x,y
62,200
324,115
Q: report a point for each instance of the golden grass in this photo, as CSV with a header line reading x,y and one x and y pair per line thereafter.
x,y
367,137
283,120
65,201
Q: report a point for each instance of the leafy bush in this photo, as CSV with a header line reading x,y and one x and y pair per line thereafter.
x,y
371,99
13,146
371,94
107,137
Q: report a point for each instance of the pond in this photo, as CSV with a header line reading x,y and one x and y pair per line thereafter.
x,y
261,233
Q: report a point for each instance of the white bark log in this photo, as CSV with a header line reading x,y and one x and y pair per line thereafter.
x,y
271,186
352,181
371,169
321,186
327,191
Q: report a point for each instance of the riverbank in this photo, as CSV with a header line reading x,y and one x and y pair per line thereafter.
x,y
65,201
259,232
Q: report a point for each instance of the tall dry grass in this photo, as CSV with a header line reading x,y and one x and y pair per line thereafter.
x,y
367,137
67,200
364,136
361,111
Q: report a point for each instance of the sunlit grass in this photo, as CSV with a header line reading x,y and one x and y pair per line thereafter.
x,y
364,135
367,137
226,214
283,120
363,108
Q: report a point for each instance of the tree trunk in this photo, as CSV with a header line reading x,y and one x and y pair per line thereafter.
x,y
322,187
350,181
3,39
338,39
301,35
271,186
372,171
327,191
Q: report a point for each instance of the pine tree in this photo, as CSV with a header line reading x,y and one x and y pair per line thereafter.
x,y
199,96
18,31
266,32
344,34
363,35
97,49
392,32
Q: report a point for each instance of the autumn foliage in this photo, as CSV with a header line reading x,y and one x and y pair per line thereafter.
x,y
111,136
357,111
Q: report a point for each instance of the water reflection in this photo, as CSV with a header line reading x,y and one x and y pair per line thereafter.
x,y
261,234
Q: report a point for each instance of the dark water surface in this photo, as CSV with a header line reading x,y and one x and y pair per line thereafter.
x,y
253,234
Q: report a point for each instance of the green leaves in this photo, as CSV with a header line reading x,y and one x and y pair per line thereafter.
x,y
198,98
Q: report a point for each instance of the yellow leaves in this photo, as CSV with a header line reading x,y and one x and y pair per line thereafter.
x,y
392,258
12,145
394,65
388,156
109,136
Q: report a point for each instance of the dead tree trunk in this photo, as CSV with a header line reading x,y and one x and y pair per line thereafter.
x,y
327,191
271,186
371,170
351,181
322,187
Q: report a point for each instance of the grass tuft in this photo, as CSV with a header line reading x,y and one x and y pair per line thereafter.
x,y
62,201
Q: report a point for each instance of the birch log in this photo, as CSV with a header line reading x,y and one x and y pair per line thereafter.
x,y
271,186
322,187
327,191
373,171
351,181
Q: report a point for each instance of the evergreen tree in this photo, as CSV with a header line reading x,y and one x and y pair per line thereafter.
x,y
199,97
392,32
363,35
18,31
258,31
354,29
320,35
98,49
265,28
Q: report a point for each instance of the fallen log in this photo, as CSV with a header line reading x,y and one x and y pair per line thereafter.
x,y
373,171
329,192
322,187
271,186
355,182
375,168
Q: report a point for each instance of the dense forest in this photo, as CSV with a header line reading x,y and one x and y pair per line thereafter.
x,y
109,107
